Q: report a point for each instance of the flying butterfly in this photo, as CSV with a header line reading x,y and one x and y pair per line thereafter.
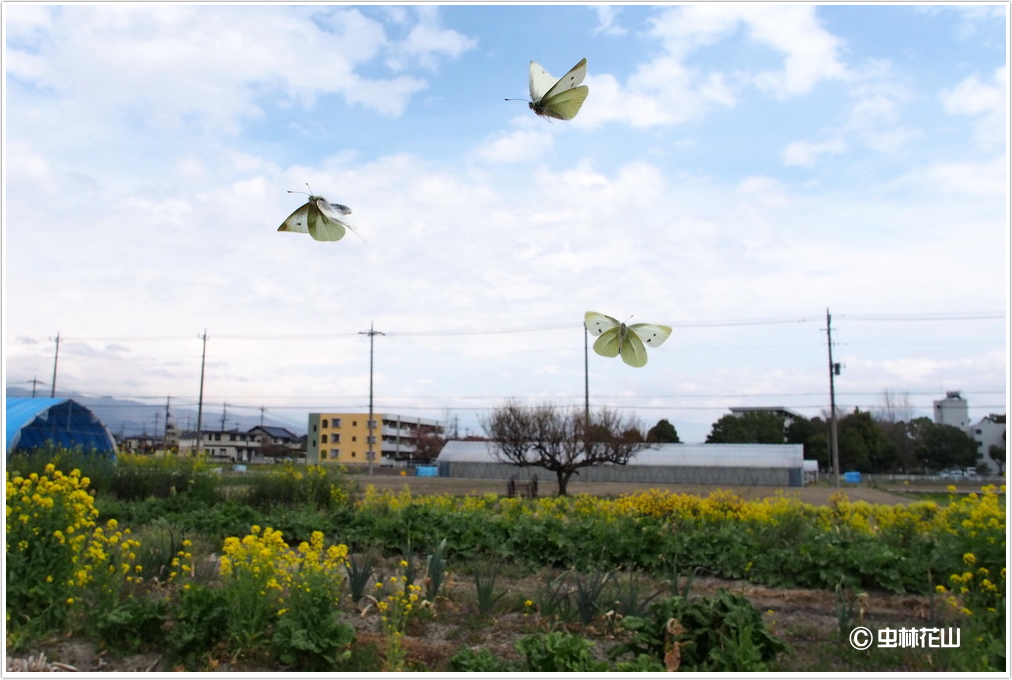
x,y
630,341
319,218
560,99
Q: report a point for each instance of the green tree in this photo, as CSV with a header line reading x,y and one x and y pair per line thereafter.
x,y
663,433
813,435
864,446
751,427
943,446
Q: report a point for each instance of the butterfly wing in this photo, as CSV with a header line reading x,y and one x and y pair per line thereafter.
x,y
563,106
298,221
332,210
324,223
610,342
652,334
562,98
633,351
541,81
568,81
598,323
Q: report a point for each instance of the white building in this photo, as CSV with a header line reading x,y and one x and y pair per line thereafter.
x,y
716,464
990,431
953,410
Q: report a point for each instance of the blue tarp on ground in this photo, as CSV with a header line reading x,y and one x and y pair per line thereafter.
x,y
64,423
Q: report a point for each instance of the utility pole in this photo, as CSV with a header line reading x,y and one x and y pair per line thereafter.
x,y
262,408
200,401
56,358
371,333
586,376
834,370
223,407
34,382
165,435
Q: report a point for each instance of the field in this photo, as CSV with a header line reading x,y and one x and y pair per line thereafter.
x,y
814,495
258,572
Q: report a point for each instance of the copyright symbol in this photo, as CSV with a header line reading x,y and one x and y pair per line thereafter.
x,y
861,638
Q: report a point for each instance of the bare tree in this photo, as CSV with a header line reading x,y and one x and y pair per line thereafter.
x,y
561,440
895,408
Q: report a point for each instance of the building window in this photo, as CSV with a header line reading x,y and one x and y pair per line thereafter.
x,y
354,438
354,423
352,454
323,455
337,422
334,453
336,438
323,423
323,439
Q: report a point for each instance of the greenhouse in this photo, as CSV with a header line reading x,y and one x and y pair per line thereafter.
x,y
63,423
716,464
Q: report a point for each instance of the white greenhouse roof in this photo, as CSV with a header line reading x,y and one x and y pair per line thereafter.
x,y
682,455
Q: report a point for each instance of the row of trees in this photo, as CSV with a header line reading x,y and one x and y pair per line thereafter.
x,y
866,443
563,440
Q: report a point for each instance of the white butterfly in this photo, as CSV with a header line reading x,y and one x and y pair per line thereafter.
x,y
560,99
629,341
319,218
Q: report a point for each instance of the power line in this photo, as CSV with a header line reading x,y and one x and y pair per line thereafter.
x,y
941,316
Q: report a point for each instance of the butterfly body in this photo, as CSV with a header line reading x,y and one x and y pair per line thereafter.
x,y
319,218
615,338
560,99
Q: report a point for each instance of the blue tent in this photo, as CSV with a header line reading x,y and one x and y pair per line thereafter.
x,y
63,423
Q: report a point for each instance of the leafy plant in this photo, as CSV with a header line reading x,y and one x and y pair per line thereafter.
x,y
131,625
553,599
588,592
435,571
720,633
558,652
359,570
484,583
199,617
467,660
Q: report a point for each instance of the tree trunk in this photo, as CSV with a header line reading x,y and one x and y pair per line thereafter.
x,y
563,477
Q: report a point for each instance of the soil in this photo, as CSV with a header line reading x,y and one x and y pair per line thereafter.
x,y
805,619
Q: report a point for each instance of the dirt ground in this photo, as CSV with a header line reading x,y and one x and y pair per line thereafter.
x,y
805,619
814,495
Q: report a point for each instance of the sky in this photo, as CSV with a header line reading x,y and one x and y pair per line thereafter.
x,y
736,172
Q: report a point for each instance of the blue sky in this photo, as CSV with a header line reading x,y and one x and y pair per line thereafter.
x,y
735,171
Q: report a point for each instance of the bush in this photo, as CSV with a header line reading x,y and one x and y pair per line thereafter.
x,y
710,634
139,477
199,617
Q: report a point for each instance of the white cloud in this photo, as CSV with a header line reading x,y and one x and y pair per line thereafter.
x,y
606,15
806,154
984,178
427,42
810,53
985,99
516,146
672,89
137,61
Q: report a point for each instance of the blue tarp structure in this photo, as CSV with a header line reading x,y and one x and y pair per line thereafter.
x,y
64,423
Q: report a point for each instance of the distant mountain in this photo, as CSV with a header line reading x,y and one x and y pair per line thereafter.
x,y
126,418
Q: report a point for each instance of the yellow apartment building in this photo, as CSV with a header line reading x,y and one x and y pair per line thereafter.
x,y
343,438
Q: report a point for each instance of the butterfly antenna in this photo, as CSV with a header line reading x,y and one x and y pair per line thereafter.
x,y
303,192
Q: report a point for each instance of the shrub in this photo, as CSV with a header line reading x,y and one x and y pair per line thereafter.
x,y
720,633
